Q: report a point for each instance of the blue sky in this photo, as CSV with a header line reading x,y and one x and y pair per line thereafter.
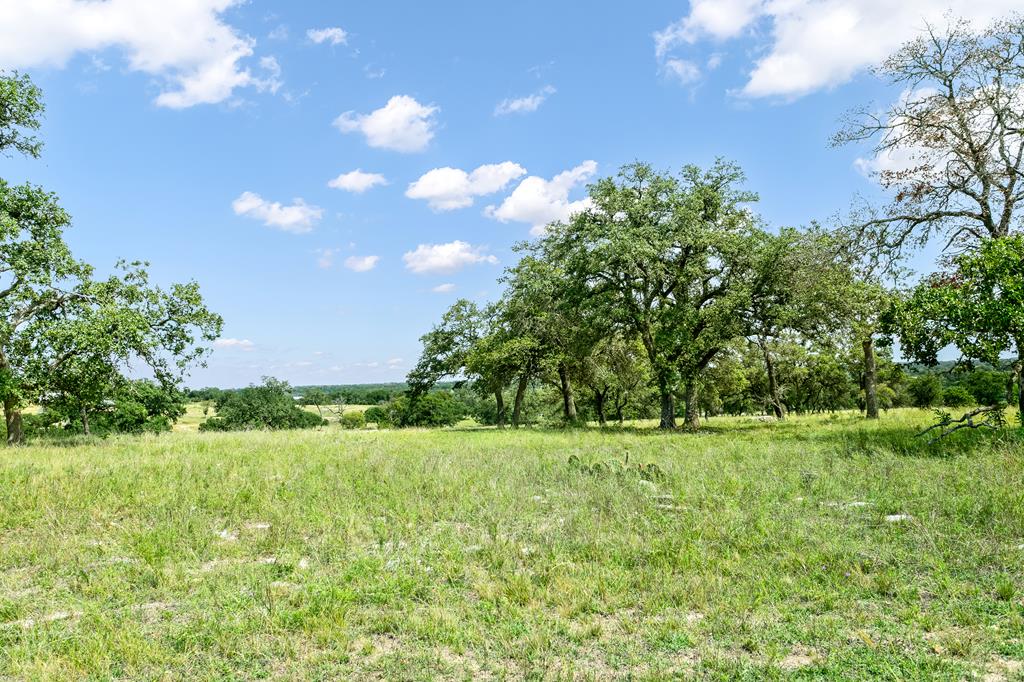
x,y
202,136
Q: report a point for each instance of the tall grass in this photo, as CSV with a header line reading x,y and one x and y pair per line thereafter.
x,y
819,548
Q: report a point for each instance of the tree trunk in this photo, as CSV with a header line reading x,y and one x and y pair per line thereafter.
x,y
773,384
499,401
692,411
568,401
668,406
599,397
12,417
870,379
618,412
517,407
85,421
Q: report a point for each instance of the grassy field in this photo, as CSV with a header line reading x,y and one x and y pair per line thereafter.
x,y
822,548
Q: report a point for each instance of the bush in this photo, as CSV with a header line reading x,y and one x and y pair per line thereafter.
x,y
352,420
957,396
269,406
376,415
438,408
925,391
986,387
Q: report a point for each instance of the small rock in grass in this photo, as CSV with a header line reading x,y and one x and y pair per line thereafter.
x,y
227,535
303,563
897,518
258,525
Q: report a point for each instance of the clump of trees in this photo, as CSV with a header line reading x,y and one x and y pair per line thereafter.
x,y
669,284
69,338
269,405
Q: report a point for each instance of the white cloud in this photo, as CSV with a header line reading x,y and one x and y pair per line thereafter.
x,y
682,70
395,362
325,258
522,105
361,263
298,218
357,181
332,35
445,258
235,344
445,288
446,189
402,125
815,44
187,45
537,201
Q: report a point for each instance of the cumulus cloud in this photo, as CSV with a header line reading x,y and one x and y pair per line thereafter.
x,y
235,344
522,105
445,288
402,125
446,189
361,263
815,44
446,258
297,218
332,35
357,181
537,201
198,57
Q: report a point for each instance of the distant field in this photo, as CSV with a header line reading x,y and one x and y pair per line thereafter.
x,y
822,548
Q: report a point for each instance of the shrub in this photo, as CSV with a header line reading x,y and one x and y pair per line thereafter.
x,y
986,387
269,406
352,420
956,396
437,408
376,415
925,391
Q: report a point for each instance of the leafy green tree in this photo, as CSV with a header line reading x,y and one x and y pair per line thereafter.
x,y
436,408
956,396
926,390
977,306
266,406
662,259
988,387
21,107
61,330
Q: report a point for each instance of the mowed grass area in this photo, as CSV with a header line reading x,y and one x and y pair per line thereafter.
x,y
822,548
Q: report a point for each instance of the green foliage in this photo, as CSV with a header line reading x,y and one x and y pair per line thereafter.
x,y
21,107
436,408
352,419
65,336
987,387
925,391
266,406
376,415
957,396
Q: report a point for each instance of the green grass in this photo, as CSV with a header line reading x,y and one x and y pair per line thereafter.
x,y
763,552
